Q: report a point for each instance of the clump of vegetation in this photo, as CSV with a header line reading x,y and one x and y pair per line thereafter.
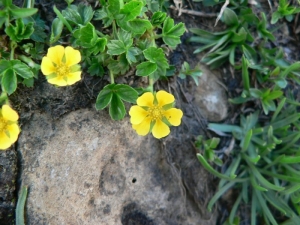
x,y
135,35
262,162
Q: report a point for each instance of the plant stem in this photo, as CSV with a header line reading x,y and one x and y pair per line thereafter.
x,y
13,45
151,83
112,78
114,29
3,98
62,18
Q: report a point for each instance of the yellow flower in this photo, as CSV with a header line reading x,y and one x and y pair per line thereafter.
x,y
9,129
153,112
60,65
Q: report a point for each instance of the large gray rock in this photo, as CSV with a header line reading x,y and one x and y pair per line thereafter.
x,y
211,97
84,168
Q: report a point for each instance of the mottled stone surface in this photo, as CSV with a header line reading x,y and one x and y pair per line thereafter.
x,y
211,97
84,168
8,176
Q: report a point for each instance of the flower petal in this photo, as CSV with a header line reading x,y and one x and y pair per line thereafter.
x,y
56,53
47,66
14,131
143,128
9,114
138,114
146,99
72,78
160,129
59,81
72,56
5,142
164,98
174,116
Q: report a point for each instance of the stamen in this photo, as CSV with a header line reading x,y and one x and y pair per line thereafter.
x,y
156,112
62,70
3,125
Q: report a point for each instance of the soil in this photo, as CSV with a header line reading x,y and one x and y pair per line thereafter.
x,y
83,94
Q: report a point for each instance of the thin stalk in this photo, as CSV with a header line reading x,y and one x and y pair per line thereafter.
x,y
151,83
114,29
62,18
112,78
3,98
13,45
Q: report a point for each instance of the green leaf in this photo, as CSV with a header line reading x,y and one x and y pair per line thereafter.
x,y
219,193
81,14
20,31
22,69
158,18
275,17
117,108
234,209
264,207
56,30
116,47
290,159
114,6
136,26
119,66
255,184
4,65
206,165
20,209
86,36
99,46
131,54
240,36
22,12
146,68
171,34
131,10
62,19
96,69
9,81
104,97
263,181
245,74
157,56
126,93
230,18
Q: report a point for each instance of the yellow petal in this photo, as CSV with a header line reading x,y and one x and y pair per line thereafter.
x,y
5,142
160,129
146,99
174,116
143,128
14,131
9,114
59,81
47,66
56,53
138,114
164,98
72,56
72,78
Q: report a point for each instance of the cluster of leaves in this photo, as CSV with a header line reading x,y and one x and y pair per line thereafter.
x,y
237,39
264,165
136,27
263,161
18,25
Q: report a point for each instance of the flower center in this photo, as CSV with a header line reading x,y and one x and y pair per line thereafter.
x,y
3,124
62,70
156,112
